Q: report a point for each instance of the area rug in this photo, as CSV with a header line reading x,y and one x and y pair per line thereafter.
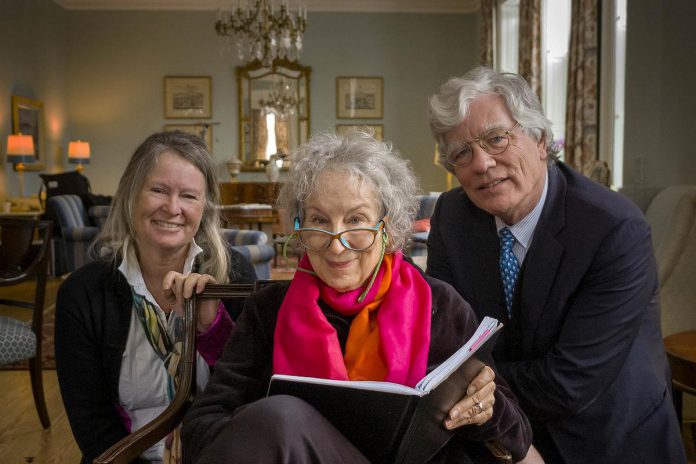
x,y
47,354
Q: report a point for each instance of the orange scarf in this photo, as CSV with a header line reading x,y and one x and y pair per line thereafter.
x,y
388,339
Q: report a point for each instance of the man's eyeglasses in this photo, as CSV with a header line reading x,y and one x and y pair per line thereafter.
x,y
358,239
494,142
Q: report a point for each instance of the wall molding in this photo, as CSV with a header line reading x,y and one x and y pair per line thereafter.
x,y
356,6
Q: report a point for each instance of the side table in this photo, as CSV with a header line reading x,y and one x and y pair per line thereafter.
x,y
248,215
681,354
35,214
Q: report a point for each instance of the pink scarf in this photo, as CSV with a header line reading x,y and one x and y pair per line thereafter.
x,y
306,344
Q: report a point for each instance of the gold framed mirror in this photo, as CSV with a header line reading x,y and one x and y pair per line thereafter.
x,y
273,110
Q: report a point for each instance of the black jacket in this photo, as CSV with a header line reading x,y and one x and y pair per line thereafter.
x,y
243,372
583,351
93,312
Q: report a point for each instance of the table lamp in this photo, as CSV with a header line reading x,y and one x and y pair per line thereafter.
x,y
20,150
78,153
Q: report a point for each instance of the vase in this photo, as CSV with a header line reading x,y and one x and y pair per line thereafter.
x,y
233,167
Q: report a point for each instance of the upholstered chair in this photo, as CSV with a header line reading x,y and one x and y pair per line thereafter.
x,y
417,245
71,248
253,244
24,257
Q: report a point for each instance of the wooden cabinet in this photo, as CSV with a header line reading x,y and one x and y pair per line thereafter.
x,y
249,192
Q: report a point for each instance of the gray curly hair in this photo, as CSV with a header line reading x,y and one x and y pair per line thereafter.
x,y
449,107
365,159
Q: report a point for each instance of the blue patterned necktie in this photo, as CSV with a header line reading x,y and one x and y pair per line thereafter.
x,y
509,267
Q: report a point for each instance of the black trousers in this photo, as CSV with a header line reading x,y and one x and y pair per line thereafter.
x,y
280,429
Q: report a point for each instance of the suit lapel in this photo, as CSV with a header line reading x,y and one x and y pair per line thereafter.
x,y
483,250
542,261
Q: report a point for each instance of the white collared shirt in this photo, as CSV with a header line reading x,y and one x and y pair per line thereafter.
x,y
524,230
142,386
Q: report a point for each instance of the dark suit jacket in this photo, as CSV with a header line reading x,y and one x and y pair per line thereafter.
x,y
583,351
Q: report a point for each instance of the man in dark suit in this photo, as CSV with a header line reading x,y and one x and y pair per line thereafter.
x,y
566,264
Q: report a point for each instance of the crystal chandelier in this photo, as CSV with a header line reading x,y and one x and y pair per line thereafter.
x,y
281,100
263,31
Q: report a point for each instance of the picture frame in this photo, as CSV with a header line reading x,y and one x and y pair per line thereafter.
x,y
359,97
187,97
28,118
377,129
195,129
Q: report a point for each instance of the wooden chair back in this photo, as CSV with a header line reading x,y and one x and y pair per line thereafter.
x,y
133,445
25,256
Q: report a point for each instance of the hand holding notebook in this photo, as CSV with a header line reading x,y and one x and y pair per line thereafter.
x,y
390,422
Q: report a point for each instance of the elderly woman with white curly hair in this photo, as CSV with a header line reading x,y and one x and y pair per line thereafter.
x,y
356,309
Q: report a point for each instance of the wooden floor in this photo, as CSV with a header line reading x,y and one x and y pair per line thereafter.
x,y
22,438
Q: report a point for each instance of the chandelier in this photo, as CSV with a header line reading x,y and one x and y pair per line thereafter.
x,y
263,31
281,100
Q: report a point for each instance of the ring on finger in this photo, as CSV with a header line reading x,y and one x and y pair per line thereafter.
x,y
479,407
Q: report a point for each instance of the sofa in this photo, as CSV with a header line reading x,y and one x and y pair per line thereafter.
x,y
671,213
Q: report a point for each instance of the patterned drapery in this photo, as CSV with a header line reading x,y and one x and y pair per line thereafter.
x,y
582,111
487,33
529,44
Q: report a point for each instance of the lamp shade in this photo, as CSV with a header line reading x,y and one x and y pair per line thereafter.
x,y
78,152
20,148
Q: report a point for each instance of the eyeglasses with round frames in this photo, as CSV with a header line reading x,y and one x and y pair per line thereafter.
x,y
358,239
494,142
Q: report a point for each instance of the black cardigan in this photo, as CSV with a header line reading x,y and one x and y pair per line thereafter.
x,y
93,312
243,372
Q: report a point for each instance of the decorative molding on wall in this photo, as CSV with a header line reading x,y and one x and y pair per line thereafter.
x,y
357,6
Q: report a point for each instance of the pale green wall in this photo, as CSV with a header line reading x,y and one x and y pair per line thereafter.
x,y
117,61
660,94
100,75
33,56
414,53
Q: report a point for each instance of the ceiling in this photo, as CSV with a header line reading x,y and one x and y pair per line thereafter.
x,y
373,6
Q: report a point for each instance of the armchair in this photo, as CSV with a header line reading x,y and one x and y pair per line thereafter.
x,y
76,234
672,218
417,244
22,259
254,246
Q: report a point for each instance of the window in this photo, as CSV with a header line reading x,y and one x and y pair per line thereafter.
x,y
507,33
555,38
271,147
612,82
555,42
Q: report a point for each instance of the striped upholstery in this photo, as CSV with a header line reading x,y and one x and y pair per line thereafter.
x,y
426,205
417,244
254,246
71,248
98,214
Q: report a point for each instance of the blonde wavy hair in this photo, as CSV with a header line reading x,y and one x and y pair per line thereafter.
x,y
109,244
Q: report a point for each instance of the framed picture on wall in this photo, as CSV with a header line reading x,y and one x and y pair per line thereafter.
x,y
28,118
376,129
205,131
187,97
359,98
